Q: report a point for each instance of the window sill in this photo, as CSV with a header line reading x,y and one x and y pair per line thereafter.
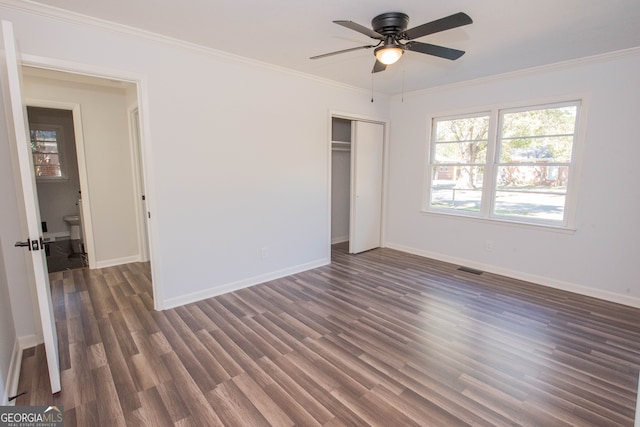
x,y
502,221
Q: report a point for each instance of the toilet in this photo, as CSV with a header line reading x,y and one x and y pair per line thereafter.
x,y
74,223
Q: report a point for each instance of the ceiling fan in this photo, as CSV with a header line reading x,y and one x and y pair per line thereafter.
x,y
390,29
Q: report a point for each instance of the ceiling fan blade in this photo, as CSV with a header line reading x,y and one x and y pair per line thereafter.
x,y
324,55
378,66
432,49
360,28
453,21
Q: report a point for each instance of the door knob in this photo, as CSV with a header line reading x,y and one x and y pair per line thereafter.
x,y
33,245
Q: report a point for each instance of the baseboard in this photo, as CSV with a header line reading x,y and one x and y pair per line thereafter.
x,y
29,341
13,377
538,280
117,261
637,422
339,239
240,284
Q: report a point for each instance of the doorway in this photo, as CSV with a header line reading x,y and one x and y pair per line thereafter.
x,y
53,144
357,170
107,195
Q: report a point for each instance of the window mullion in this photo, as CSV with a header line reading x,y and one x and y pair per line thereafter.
x,y
488,189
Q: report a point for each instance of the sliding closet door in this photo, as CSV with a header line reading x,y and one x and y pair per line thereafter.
x,y
367,148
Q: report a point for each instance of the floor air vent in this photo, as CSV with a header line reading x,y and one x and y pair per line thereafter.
x,y
470,270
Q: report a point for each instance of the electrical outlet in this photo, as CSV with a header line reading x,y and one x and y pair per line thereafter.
x,y
265,253
488,245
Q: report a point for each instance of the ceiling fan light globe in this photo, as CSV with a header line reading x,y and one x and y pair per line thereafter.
x,y
388,55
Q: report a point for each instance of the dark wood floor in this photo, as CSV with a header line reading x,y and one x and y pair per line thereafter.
x,y
381,338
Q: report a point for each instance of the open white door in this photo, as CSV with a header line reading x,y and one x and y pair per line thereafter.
x,y
18,132
367,150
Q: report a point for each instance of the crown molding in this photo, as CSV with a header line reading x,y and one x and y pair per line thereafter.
x,y
556,66
62,15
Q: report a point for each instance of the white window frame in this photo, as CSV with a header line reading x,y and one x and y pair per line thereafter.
x,y
489,187
62,150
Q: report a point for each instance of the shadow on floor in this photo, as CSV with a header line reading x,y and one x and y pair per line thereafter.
x,y
60,256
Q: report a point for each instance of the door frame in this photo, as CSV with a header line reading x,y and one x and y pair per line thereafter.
x,y
385,166
87,224
145,164
139,190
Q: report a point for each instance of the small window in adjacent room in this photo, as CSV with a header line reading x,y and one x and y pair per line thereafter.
x,y
508,164
47,147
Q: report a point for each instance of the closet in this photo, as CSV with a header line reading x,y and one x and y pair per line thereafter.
x,y
357,150
340,179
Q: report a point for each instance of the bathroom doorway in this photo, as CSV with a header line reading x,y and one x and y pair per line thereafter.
x,y
105,201
58,186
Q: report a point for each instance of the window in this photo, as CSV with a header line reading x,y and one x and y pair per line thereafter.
x,y
48,157
511,164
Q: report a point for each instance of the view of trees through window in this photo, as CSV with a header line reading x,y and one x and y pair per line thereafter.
x,y
529,168
46,154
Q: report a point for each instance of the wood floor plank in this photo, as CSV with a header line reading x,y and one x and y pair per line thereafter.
x,y
379,338
108,398
155,412
261,400
233,407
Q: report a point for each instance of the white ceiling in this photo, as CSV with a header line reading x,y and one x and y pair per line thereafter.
x,y
506,35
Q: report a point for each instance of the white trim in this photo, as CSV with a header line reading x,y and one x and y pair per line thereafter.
x,y
637,422
240,284
146,156
533,278
489,191
13,377
339,239
138,181
118,261
147,166
28,341
500,221
557,66
83,176
385,169
52,12
67,16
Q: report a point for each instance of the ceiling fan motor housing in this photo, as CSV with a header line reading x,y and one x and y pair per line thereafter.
x,y
390,23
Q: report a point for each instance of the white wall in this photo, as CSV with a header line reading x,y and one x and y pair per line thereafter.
x,y
7,333
107,151
340,194
239,155
600,257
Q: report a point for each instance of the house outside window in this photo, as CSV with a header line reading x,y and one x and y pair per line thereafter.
x,y
512,164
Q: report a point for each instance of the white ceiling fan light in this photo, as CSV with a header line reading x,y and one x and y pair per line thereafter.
x,y
389,53
390,29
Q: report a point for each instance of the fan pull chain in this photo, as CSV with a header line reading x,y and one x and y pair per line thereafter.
x,y
371,87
